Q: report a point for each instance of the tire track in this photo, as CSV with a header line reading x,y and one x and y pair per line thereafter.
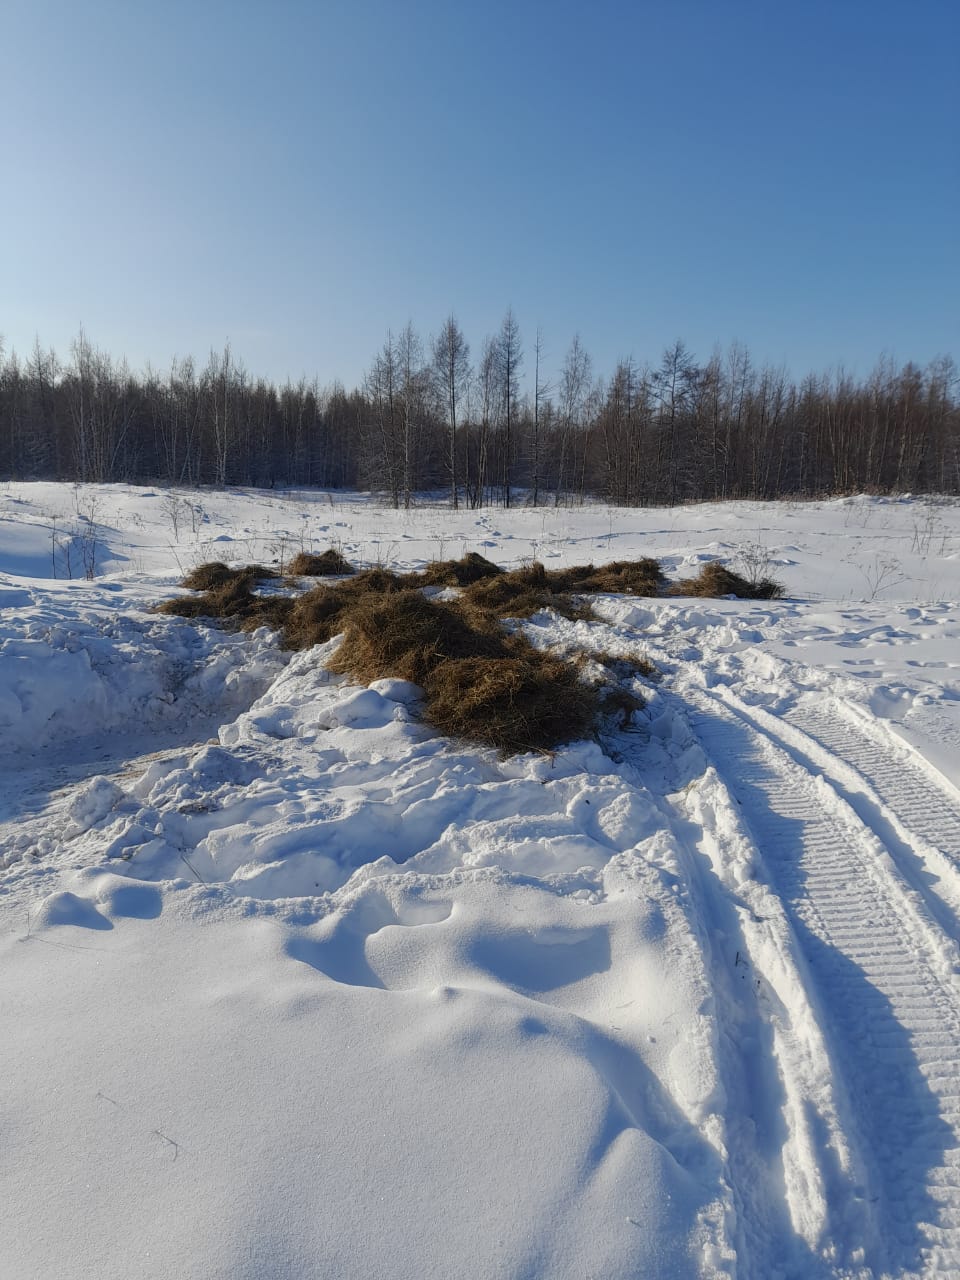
x,y
889,1000
794,1182
933,875
891,768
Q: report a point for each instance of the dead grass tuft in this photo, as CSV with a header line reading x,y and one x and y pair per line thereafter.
x,y
378,582
314,618
330,564
716,580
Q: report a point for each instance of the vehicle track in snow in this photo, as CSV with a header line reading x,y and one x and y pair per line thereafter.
x,y
923,800
881,971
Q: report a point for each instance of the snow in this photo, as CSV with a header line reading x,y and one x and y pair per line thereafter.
x,y
295,986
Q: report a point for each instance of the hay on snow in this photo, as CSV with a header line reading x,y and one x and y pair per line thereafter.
x,y
305,564
480,682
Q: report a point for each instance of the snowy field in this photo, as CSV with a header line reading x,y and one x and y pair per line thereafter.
x,y
294,987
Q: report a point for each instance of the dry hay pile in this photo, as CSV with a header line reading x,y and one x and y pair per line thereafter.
x,y
330,564
405,635
460,573
480,682
715,580
522,593
626,577
530,701
217,574
227,594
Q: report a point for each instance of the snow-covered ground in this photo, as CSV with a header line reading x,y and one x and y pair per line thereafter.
x,y
292,986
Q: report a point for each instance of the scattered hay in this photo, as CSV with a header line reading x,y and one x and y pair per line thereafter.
x,y
716,580
232,602
314,618
522,593
480,682
527,590
642,577
615,701
405,635
460,573
528,702
328,565
217,574
267,611
625,666
378,581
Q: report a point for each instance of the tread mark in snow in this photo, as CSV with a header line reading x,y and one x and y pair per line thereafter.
x,y
892,1006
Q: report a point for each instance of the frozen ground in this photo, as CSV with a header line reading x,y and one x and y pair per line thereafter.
x,y
294,987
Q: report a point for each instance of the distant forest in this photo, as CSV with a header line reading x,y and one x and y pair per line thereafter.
x,y
429,416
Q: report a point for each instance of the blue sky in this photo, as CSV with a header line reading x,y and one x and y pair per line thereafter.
x,y
298,178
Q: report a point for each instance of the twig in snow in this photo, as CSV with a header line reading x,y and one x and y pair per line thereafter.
x,y
175,1145
194,869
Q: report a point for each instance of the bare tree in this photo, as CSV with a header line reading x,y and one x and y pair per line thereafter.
x,y
541,390
674,385
383,392
414,380
574,384
451,363
509,355
488,396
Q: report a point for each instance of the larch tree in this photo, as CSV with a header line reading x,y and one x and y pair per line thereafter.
x,y
451,368
509,359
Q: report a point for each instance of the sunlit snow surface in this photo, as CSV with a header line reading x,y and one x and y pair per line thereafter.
x,y
292,986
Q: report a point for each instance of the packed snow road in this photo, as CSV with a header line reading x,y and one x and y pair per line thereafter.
x,y
294,986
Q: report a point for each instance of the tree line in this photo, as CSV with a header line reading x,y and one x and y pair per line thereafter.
x,y
431,415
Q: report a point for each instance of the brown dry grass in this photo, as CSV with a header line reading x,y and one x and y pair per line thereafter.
x,y
314,618
460,573
527,702
521,593
715,580
216,574
327,565
625,665
480,682
405,635
232,601
642,577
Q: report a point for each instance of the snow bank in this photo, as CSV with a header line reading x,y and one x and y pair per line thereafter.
x,y
85,669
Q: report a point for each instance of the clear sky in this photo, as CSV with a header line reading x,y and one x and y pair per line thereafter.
x,y
298,178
